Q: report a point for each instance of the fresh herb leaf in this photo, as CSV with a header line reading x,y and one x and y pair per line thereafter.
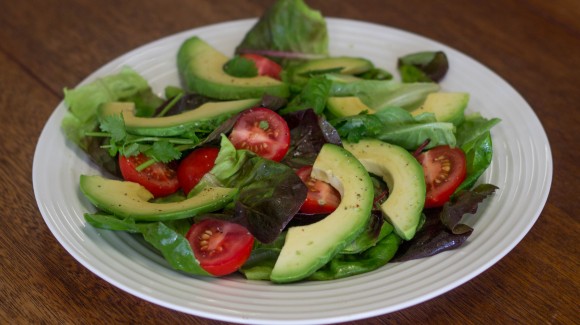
x,y
164,151
115,126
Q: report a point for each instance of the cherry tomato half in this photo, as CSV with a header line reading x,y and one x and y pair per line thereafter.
x,y
159,178
445,169
265,66
262,131
322,198
221,247
192,168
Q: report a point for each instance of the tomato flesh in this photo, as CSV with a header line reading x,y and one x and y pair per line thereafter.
x,y
159,179
192,168
445,169
265,66
262,131
321,198
221,247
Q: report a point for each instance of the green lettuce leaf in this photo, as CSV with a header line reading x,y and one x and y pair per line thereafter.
x,y
168,238
382,94
396,126
288,26
84,101
474,138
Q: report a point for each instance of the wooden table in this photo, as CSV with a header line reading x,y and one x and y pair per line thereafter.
x,y
47,45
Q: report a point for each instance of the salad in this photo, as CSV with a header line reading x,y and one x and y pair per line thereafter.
x,y
282,162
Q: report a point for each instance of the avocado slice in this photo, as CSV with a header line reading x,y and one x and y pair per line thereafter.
x,y
175,124
447,106
347,106
337,65
404,177
307,248
131,200
201,69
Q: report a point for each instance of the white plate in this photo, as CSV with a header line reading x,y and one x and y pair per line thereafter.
x,y
522,168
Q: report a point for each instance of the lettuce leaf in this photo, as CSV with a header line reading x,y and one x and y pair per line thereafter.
x,y
288,28
396,126
443,229
84,101
474,138
382,94
270,193
167,237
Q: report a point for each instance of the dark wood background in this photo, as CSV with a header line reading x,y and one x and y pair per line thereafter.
x,y
48,45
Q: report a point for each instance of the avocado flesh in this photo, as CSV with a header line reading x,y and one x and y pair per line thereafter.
x,y
347,106
175,124
307,248
201,69
404,177
343,65
131,200
447,106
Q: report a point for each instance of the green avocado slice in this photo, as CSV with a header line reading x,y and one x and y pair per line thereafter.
x,y
307,248
447,106
201,69
175,124
342,65
131,200
404,177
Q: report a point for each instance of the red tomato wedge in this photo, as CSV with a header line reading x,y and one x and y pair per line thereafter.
x,y
322,198
192,168
221,247
265,66
262,131
445,169
159,178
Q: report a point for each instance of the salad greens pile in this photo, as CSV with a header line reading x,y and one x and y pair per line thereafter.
x,y
270,194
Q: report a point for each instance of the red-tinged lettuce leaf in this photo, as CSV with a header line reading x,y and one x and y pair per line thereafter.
x,y
270,194
267,204
308,133
431,240
462,203
442,230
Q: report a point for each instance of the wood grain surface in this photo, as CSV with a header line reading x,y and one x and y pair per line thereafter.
x,y
46,45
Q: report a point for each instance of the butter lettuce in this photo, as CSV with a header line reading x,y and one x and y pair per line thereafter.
x,y
84,101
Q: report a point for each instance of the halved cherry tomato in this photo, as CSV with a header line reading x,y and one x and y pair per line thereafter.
x,y
265,66
221,247
321,198
445,170
192,168
262,131
159,178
